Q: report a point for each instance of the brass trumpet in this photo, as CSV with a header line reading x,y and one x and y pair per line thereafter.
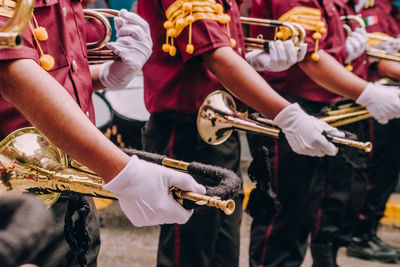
x,y
31,163
371,51
96,52
20,14
295,30
218,117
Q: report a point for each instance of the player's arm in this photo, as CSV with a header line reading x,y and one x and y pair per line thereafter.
x,y
389,68
141,187
326,73
303,132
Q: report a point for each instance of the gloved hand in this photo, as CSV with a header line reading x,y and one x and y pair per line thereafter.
x,y
382,102
281,56
133,46
304,132
392,46
142,189
356,43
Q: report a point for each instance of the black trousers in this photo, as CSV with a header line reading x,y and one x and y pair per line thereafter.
x,y
315,196
383,173
58,252
210,238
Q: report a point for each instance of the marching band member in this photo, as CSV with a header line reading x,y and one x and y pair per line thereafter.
x,y
47,83
384,160
316,194
199,48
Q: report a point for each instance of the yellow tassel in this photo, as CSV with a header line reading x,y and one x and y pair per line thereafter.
x,y
41,34
189,49
46,62
349,67
315,56
233,43
166,47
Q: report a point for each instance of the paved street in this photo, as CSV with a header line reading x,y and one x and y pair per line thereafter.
x,y
124,245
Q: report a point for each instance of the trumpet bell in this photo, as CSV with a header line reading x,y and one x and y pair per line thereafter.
x,y
212,123
25,159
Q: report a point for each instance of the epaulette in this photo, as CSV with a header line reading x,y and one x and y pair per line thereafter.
x,y
183,13
310,19
369,4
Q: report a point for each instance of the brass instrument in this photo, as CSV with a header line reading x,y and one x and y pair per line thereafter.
x,y
20,14
371,51
218,117
31,163
96,52
295,29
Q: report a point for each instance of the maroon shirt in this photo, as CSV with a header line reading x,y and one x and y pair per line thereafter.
x,y
386,18
294,81
181,83
64,22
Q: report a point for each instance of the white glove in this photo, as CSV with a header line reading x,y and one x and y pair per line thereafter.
x,y
356,43
142,189
133,46
281,56
382,102
304,132
392,46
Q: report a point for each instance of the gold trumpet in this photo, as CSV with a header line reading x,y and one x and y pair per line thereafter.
x,y
20,13
218,117
96,52
371,51
31,163
283,30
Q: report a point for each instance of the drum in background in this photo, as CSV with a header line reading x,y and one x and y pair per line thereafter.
x,y
129,113
103,112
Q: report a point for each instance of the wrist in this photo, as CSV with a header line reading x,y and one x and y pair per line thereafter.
x,y
288,116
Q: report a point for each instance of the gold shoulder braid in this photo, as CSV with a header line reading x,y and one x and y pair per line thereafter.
x,y
183,13
310,19
369,4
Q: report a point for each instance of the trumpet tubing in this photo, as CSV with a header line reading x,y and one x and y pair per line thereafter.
x,y
372,52
218,118
96,52
296,30
20,14
30,163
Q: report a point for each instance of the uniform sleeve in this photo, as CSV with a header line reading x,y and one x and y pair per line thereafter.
x,y
26,51
206,35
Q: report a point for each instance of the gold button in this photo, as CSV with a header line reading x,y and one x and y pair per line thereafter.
x,y
65,11
46,1
87,114
74,65
240,50
333,9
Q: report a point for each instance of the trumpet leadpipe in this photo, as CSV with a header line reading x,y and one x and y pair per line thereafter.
x,y
227,206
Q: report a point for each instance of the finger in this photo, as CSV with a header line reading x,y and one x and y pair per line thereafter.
x,y
273,53
133,31
280,50
184,182
302,53
327,147
135,19
119,22
290,52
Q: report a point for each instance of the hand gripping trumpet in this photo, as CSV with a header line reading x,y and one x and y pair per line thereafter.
x,y
283,31
218,117
373,38
97,53
30,163
19,13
